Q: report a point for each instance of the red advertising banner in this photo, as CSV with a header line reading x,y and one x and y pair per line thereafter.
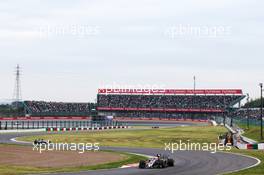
x,y
45,118
158,109
172,91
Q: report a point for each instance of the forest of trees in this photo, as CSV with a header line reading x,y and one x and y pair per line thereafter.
x,y
7,110
253,104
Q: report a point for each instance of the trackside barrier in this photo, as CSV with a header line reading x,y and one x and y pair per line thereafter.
x,y
42,124
86,129
242,142
248,140
259,146
159,119
230,129
46,118
213,123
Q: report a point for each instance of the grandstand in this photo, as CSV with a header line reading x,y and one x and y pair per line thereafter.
x,y
42,108
135,103
168,103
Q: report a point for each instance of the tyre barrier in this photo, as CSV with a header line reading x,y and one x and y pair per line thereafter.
x,y
86,129
257,146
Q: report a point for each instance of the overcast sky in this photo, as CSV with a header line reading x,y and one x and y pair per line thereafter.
x,y
67,49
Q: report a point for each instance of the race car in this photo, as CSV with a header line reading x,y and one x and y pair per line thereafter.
x,y
155,127
41,141
157,162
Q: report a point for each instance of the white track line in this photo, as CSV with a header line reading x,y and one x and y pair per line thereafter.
x,y
258,162
17,141
21,131
133,165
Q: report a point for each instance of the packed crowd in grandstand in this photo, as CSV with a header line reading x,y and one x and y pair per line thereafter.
x,y
252,113
167,101
133,102
37,107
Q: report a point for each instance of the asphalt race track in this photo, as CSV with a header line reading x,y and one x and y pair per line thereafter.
x,y
186,162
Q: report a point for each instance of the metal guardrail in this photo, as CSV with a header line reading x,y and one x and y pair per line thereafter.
x,y
40,124
237,121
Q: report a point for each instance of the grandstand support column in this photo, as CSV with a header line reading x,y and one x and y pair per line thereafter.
x,y
261,111
224,118
231,124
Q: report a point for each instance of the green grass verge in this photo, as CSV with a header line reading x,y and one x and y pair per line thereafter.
x,y
19,170
155,138
148,138
253,132
258,170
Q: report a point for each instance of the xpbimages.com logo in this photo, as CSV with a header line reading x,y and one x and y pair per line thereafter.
x,y
79,147
189,146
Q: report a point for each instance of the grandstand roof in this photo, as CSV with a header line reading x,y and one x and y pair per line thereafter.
x,y
172,91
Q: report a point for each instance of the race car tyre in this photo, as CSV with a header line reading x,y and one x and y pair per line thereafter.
x,y
142,164
159,164
170,162
163,164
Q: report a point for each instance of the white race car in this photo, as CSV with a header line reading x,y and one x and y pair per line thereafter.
x,y
157,162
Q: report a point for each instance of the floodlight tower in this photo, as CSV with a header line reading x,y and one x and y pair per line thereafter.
x,y
17,90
